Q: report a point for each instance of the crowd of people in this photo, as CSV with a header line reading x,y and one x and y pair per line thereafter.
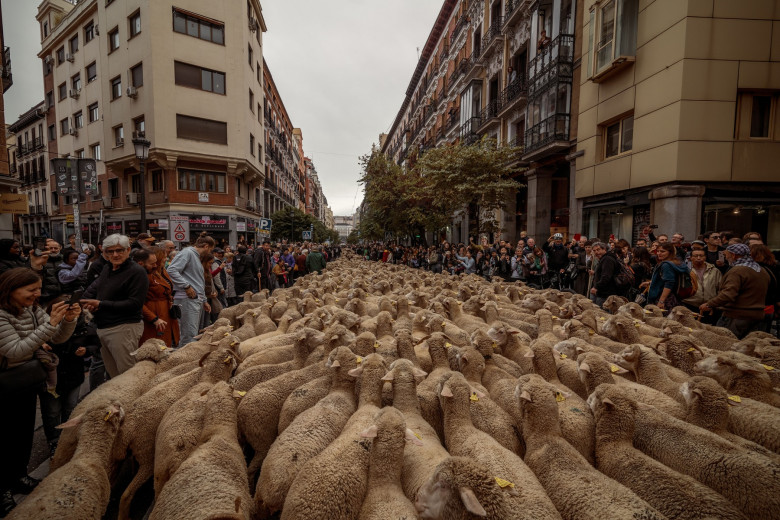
x,y
728,280
65,312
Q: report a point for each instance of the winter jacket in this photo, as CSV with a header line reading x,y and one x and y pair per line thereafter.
x,y
708,285
604,279
121,293
557,256
21,336
742,293
315,262
185,269
664,277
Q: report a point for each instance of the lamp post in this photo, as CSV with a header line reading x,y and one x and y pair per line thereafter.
x,y
141,145
90,220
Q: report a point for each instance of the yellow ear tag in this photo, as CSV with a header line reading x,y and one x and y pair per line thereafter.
x,y
227,334
637,325
602,318
768,367
376,344
359,360
735,398
417,435
613,368
162,348
234,343
563,356
241,393
689,329
591,332
448,345
495,345
559,397
504,483
474,397
107,417
443,323
691,350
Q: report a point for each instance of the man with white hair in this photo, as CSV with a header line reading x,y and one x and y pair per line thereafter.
x,y
116,298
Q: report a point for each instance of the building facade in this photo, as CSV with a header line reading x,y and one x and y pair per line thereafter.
x,y
678,118
344,225
190,80
507,70
8,182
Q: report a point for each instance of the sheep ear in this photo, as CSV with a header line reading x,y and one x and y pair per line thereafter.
x,y
585,367
389,376
749,368
446,392
135,352
471,502
203,358
71,423
369,433
356,372
529,354
664,360
698,391
608,403
418,372
526,396
413,438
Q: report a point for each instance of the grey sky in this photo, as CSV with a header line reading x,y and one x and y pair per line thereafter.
x,y
341,67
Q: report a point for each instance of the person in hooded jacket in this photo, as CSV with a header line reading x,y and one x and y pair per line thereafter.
x,y
10,255
664,278
72,272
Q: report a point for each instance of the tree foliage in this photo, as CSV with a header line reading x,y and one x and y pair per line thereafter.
x,y
442,182
290,223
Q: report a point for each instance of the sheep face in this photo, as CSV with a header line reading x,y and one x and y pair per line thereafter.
x,y
567,348
444,494
724,370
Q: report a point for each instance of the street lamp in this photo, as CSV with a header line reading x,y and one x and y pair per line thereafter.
x,y
141,145
90,220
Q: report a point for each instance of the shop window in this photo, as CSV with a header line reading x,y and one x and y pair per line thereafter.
x,y
201,181
618,137
612,38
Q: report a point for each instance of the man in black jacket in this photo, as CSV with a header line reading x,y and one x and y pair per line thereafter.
x,y
604,284
243,272
116,298
557,254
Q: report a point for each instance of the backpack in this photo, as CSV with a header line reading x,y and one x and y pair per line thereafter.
x,y
625,275
687,285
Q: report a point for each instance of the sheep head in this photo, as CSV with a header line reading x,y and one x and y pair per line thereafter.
x,y
630,358
725,369
538,403
614,413
707,403
152,349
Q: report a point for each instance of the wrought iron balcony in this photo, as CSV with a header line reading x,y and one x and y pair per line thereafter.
x,y
452,119
489,114
552,63
8,78
472,65
462,22
13,168
493,34
444,52
513,93
513,11
554,129
468,131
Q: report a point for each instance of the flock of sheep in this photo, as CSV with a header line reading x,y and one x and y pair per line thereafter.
x,y
375,391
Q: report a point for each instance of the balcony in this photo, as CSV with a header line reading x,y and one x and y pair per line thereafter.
x,y
552,64
513,12
548,136
8,78
445,51
462,22
488,115
468,132
517,142
513,94
472,66
13,168
492,36
452,119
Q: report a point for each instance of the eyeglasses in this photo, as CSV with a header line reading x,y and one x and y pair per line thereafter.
x,y
714,236
115,251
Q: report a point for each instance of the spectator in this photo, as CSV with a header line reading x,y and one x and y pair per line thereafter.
x,y
243,271
212,307
186,272
517,264
604,284
742,294
230,286
24,328
467,263
557,253
663,238
534,267
764,257
51,285
663,281
158,322
752,235
280,271
642,267
116,299
582,264
219,275
708,277
10,255
100,260
72,272
143,241
315,261
262,264
300,264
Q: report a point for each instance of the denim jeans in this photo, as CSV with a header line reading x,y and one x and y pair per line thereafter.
x,y
56,410
191,310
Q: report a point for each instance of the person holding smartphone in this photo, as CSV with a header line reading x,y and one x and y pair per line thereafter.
x,y
72,272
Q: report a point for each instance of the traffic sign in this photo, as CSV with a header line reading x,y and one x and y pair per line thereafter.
x,y
265,224
181,228
307,235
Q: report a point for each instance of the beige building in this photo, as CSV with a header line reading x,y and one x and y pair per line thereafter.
x,y
678,117
189,76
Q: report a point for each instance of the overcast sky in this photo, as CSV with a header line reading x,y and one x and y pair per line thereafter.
x,y
341,67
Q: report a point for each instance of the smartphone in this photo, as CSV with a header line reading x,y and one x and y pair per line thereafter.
x,y
39,245
75,297
653,226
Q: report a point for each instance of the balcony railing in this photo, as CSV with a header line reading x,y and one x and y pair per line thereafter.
x,y
493,32
516,90
444,52
490,111
462,22
552,62
13,168
468,132
512,10
452,119
8,79
554,128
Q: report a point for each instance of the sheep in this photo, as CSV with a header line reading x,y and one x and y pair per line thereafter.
x,y
575,328
303,398
624,330
514,345
613,303
254,323
232,313
740,376
547,366
675,495
682,351
462,488
594,370
419,461
464,321
648,370
577,489
426,390
247,379
764,350
708,407
403,319
144,415
464,439
250,346
212,482
79,488
265,400
310,433
711,460
687,318
385,498
125,388
219,337
333,483
496,365
437,323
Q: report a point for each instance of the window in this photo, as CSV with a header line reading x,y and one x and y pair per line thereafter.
x,y
61,55
91,71
760,116
135,183
196,77
252,144
75,82
93,112
116,87
78,119
80,154
251,101
259,71
62,91
89,32
197,180
45,29
198,27
52,132
619,137
139,126
113,188
614,24
134,21
49,99
251,56
64,126
198,129
113,39
95,151
157,180
119,135
137,75
73,44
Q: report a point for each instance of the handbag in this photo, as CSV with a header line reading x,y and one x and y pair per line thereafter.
x,y
175,312
27,377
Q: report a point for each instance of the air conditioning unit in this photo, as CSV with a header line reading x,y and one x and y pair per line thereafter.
x,y
107,202
74,93
40,112
54,208
69,57
97,32
72,131
132,198
48,60
253,25
132,92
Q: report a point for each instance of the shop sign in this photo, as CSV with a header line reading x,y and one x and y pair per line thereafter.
x,y
241,227
132,227
13,203
162,223
212,222
251,226
70,219
113,227
203,197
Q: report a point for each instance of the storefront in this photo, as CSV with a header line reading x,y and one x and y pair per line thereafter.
x,y
623,215
740,211
217,226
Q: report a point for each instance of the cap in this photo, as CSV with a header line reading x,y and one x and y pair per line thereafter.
x,y
698,243
739,249
144,236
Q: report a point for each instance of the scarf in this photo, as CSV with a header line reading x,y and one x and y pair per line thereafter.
x,y
747,261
